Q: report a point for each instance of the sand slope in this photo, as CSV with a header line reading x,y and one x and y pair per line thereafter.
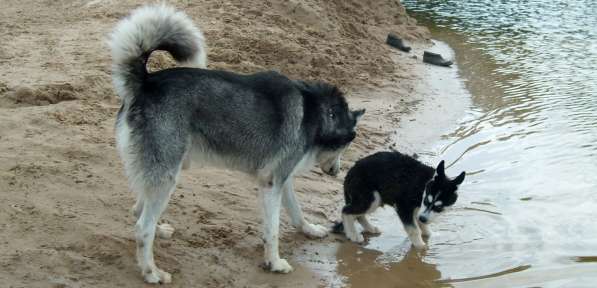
x,y
65,216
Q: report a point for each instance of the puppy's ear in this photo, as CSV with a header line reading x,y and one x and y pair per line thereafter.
x,y
440,169
357,114
459,179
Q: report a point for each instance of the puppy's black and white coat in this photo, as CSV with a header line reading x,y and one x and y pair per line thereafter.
x,y
398,180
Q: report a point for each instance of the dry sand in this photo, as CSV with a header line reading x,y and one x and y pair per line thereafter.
x,y
65,216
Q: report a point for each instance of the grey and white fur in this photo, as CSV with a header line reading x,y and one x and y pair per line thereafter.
x,y
263,124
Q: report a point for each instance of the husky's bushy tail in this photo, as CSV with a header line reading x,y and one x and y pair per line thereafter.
x,y
149,28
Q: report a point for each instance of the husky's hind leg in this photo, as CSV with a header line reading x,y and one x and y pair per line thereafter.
x,y
163,230
155,199
153,171
186,163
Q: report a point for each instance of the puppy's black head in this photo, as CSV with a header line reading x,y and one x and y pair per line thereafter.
x,y
334,122
439,193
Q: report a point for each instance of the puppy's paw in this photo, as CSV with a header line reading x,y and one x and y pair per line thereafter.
x,y
165,231
315,230
356,237
372,229
156,276
419,245
426,232
278,266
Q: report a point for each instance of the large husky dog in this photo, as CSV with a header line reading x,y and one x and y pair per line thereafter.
x,y
263,124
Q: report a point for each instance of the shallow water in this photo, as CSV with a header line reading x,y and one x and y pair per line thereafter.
x,y
527,210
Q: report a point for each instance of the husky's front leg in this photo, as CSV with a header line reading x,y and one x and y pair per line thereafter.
x,y
296,215
271,196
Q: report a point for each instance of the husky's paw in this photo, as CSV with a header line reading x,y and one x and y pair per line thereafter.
x,y
165,231
315,230
279,266
372,229
156,276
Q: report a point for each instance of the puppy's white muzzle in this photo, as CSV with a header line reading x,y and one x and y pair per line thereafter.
x,y
426,216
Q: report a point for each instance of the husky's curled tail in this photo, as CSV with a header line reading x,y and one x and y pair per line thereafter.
x,y
149,28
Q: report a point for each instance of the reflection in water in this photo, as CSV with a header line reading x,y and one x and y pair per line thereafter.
x,y
371,268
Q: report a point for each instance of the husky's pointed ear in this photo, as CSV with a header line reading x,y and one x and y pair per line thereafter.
x,y
440,169
458,180
357,114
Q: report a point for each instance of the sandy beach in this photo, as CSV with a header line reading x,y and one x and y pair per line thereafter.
x,y
65,217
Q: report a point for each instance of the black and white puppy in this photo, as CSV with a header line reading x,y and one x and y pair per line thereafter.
x,y
398,180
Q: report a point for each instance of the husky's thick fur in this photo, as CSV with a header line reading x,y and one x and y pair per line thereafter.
x,y
398,180
264,124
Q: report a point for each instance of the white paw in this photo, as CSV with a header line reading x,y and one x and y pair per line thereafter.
x,y
356,237
420,245
372,229
165,231
279,266
155,276
426,232
315,230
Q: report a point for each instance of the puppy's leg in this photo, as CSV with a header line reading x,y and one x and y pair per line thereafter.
x,y
350,229
271,199
367,226
408,218
425,231
296,215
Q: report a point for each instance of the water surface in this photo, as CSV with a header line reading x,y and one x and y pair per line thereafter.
x,y
527,211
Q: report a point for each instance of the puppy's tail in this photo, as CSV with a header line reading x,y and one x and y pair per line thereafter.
x,y
338,227
149,28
